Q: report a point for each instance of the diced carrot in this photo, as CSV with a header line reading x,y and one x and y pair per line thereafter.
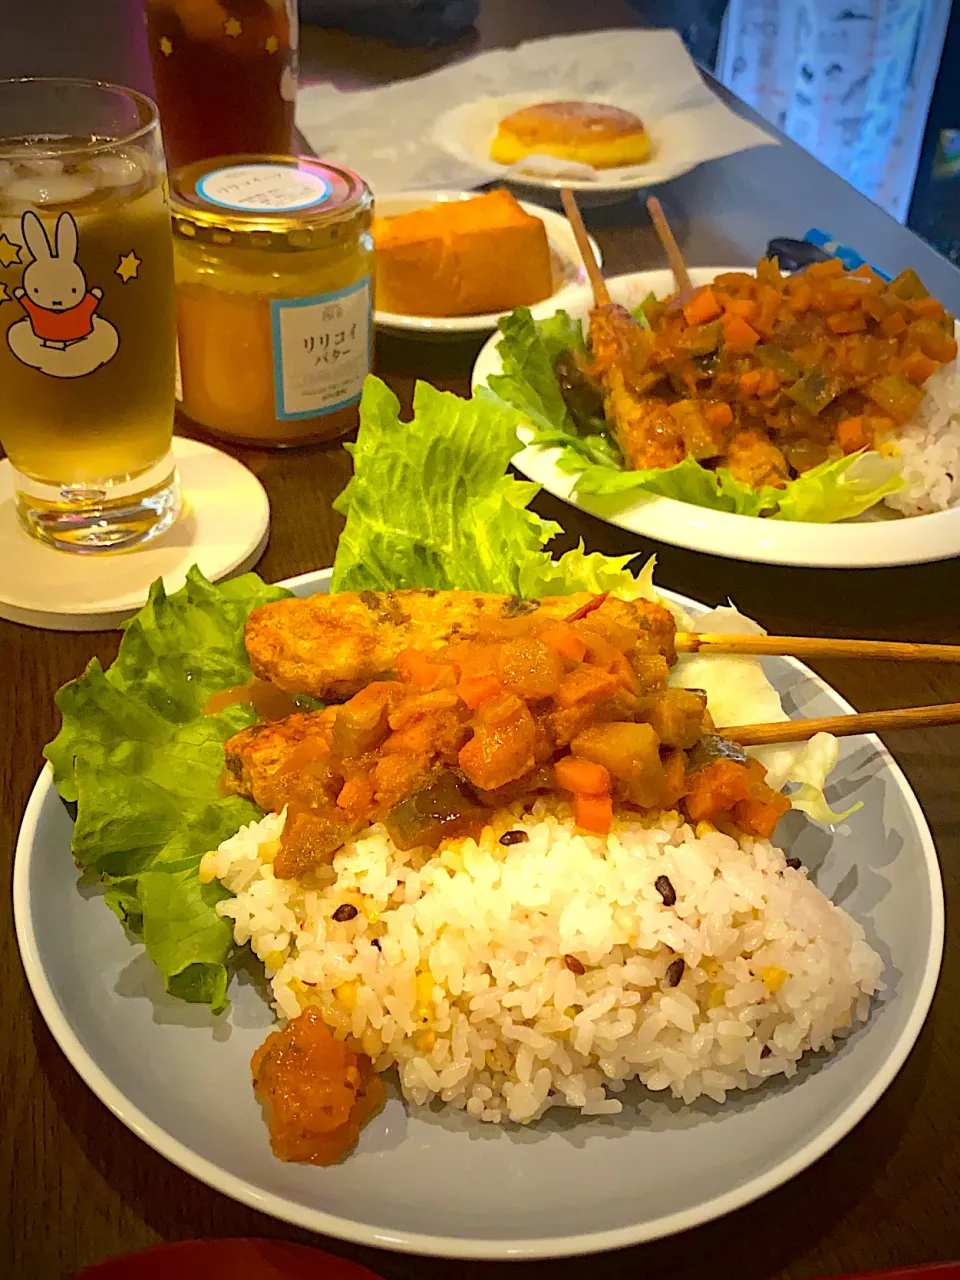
x,y
419,668
593,813
918,367
582,777
893,324
564,640
769,382
847,321
589,607
750,382
586,684
852,435
738,335
827,270
716,789
769,309
759,817
942,349
356,793
745,308
926,307
719,414
866,271
800,297
702,307
476,689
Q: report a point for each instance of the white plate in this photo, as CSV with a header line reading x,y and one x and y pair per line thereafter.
x,y
467,132
568,271
433,1182
879,538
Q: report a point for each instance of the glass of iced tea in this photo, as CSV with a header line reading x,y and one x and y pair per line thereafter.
x,y
225,73
87,314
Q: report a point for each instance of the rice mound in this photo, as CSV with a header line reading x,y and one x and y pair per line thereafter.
x,y
929,449
507,980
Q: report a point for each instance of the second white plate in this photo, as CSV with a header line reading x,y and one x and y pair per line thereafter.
x,y
877,539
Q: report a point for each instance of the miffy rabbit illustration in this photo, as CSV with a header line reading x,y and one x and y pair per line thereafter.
x,y
61,336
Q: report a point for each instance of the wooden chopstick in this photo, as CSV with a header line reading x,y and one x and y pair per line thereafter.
x,y
816,647
761,735
667,239
601,294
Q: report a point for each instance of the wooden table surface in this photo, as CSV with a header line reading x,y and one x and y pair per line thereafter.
x,y
76,1186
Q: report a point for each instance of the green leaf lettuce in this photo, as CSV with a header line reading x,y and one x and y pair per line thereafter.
x,y
143,762
430,505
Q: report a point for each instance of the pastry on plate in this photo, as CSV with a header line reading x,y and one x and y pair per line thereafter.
x,y
461,258
592,133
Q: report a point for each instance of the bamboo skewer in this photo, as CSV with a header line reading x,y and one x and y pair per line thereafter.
x,y
672,249
601,295
761,735
816,647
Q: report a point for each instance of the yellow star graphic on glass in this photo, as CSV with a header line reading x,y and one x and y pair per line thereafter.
x,y
129,266
166,46
9,252
233,27
4,295
271,44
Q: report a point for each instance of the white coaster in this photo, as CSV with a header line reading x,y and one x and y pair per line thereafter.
x,y
222,528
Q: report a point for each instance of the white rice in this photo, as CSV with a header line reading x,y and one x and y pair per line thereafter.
x,y
469,995
929,449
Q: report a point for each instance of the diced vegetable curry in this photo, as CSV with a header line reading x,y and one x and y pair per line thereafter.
x,y
529,706
765,374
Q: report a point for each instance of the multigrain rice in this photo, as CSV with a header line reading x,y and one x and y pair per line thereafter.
x,y
455,969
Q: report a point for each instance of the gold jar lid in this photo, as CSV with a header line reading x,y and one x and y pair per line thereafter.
x,y
266,202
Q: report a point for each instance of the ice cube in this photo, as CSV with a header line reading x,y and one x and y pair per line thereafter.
x,y
45,166
115,170
62,188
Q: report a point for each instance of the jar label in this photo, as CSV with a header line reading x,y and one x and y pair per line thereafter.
x,y
321,350
264,188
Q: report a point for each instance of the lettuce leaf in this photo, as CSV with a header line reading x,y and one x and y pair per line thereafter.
x,y
430,505
528,384
143,763
834,490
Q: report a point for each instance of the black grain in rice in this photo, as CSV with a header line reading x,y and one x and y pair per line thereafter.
x,y
674,972
345,912
574,965
795,863
514,837
666,890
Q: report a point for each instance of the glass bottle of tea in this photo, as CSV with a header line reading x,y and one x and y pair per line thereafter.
x,y
225,73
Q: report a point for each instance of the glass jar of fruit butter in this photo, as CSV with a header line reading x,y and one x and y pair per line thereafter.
x,y
273,262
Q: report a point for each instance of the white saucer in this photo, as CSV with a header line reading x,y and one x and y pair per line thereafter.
x,y
222,528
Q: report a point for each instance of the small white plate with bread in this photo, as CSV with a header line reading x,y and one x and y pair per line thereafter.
x,y
451,263
601,150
